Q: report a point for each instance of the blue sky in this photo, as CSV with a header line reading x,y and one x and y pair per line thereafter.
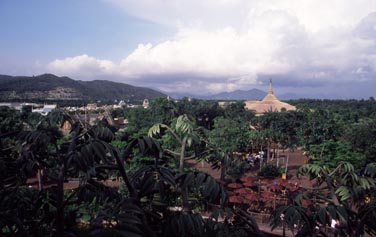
x,y
311,48
43,30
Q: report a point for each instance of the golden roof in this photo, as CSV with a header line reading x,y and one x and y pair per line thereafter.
x,y
269,103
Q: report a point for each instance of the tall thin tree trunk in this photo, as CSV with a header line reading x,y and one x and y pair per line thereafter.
x,y
60,205
223,169
60,185
40,181
182,154
184,196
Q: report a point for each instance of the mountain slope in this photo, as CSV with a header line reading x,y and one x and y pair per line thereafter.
x,y
51,87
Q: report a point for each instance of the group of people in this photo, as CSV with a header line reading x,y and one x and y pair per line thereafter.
x,y
254,158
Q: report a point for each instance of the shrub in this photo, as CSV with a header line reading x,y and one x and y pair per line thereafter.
x,y
270,170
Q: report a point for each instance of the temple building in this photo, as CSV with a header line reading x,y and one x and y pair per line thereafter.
x,y
269,103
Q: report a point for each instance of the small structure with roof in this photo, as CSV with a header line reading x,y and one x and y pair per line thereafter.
x,y
145,103
269,103
46,109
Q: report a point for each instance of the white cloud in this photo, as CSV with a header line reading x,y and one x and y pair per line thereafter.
x,y
82,66
313,14
228,45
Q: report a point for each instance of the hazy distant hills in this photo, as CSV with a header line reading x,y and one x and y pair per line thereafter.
x,y
51,87
253,94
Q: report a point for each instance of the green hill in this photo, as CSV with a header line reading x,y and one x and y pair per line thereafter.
x,y
51,87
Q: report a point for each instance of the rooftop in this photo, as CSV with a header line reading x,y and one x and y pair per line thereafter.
x,y
269,103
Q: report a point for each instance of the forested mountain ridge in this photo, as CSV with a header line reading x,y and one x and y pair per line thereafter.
x,y
52,87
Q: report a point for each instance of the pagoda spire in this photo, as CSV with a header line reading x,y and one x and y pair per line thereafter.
x,y
270,87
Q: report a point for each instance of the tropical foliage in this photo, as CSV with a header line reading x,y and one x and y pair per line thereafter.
x,y
159,195
341,194
155,200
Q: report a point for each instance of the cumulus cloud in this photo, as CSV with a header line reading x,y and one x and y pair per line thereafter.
x,y
82,66
226,45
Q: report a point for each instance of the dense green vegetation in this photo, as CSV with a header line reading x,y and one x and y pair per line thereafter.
x,y
160,194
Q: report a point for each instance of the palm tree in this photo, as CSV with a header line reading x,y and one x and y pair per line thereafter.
x,y
183,131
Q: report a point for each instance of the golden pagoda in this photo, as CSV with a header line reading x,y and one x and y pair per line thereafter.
x,y
269,103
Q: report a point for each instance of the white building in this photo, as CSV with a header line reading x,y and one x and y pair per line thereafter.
x,y
44,110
